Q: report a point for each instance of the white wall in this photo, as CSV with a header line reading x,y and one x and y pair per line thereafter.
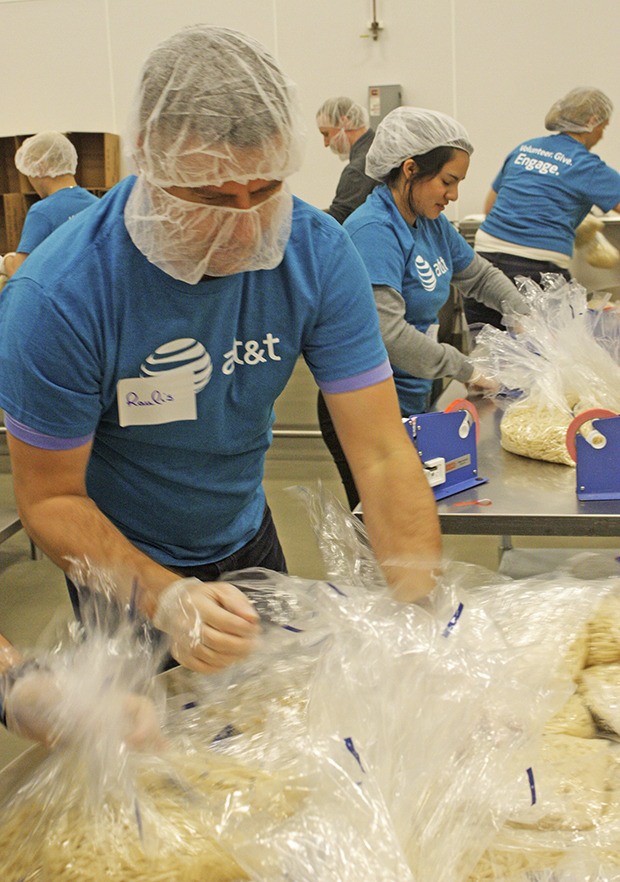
x,y
497,65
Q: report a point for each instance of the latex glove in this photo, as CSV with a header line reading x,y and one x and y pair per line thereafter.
x,y
210,624
34,709
481,385
141,725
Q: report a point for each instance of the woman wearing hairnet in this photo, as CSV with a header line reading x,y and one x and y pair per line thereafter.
x,y
544,190
174,317
49,161
413,254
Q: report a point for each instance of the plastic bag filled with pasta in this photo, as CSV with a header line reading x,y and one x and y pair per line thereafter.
x,y
364,738
556,787
526,634
596,248
438,706
241,791
553,365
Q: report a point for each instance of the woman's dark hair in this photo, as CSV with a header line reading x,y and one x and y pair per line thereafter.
x,y
429,165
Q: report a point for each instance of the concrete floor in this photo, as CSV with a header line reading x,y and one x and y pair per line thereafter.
x,y
33,597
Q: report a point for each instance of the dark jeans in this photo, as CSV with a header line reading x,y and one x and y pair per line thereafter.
x,y
263,550
477,314
333,445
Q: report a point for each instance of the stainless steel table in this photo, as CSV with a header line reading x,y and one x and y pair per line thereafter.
x,y
528,497
9,523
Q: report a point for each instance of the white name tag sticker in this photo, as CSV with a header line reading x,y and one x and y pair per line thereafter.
x,y
150,401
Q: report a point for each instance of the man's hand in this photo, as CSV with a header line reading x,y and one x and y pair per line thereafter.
x,y
210,624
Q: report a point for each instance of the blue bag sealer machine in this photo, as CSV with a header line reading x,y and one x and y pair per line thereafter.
x,y
593,441
446,444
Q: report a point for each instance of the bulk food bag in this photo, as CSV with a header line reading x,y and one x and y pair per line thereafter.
x,y
364,739
553,365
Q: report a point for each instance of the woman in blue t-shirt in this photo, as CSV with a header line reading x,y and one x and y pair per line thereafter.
x,y
542,193
413,255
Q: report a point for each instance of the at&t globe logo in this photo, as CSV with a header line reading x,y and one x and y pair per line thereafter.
x,y
425,273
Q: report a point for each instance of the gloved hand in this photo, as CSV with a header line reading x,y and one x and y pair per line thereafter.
x,y
478,384
34,708
210,624
3,271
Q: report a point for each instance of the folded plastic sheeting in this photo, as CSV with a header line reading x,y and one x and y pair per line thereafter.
x,y
363,740
558,362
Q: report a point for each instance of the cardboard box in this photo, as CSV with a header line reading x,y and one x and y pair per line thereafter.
x,y
12,181
12,216
99,159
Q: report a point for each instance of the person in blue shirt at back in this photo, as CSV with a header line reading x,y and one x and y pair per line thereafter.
x,y
49,161
142,352
544,190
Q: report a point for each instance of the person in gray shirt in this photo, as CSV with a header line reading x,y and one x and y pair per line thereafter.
x,y
344,127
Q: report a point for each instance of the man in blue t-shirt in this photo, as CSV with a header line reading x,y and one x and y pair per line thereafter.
x,y
49,161
142,352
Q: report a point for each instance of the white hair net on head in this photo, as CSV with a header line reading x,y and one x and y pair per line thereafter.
x,y
213,106
412,131
581,110
48,154
343,113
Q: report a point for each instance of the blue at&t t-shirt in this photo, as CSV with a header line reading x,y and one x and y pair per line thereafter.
x,y
48,214
72,331
417,261
545,189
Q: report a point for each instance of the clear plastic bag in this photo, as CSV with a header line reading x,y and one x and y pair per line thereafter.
x,y
364,739
560,361
590,239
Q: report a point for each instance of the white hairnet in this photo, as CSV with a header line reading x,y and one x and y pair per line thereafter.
x,y
407,132
342,112
48,154
581,110
213,106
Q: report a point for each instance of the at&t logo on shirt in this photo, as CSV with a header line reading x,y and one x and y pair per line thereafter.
x,y
428,275
187,352
184,352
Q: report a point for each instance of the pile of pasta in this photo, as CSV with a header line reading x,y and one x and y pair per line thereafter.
x,y
537,431
166,832
574,825
555,364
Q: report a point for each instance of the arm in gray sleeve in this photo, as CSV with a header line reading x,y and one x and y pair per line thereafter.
x,y
487,284
412,351
353,188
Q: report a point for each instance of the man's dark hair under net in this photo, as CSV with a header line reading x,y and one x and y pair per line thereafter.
x,y
213,105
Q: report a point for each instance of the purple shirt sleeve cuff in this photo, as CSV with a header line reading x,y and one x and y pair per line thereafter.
x,y
359,381
38,439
